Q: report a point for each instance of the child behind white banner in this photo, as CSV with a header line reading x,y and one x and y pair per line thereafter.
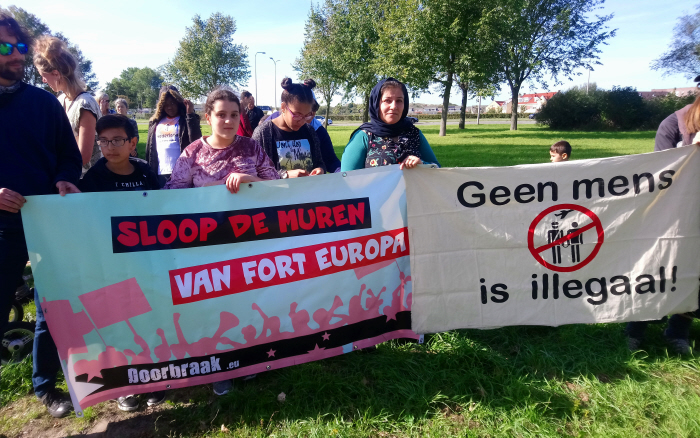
x,y
560,151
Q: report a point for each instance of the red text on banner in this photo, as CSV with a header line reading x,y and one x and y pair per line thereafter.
x,y
213,280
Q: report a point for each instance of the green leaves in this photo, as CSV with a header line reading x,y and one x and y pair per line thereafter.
x,y
139,85
538,39
36,28
207,57
683,55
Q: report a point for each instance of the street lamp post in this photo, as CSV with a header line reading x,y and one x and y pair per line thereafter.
x,y
273,60
256,75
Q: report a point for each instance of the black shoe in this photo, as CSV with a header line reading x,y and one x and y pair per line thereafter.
x,y
23,293
155,398
57,403
128,403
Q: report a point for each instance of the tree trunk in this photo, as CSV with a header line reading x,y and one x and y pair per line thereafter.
x,y
463,109
445,104
365,114
514,108
328,113
478,110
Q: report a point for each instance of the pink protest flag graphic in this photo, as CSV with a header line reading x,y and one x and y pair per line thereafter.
x,y
69,340
115,303
366,270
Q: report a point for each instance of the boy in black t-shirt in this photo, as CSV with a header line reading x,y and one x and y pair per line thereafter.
x,y
117,171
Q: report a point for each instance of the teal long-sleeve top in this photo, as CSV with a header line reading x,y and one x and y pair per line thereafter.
x,y
356,151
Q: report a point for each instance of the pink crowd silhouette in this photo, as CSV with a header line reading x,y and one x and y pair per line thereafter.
x,y
326,319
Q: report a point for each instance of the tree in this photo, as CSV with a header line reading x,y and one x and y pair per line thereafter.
x,y
683,55
316,59
355,27
35,27
476,82
207,57
435,43
535,38
139,85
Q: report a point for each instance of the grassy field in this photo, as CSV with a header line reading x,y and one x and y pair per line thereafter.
x,y
577,380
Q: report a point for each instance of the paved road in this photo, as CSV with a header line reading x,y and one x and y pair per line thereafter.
x,y
453,122
429,122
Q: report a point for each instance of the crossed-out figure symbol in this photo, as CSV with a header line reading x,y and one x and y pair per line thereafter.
x,y
574,243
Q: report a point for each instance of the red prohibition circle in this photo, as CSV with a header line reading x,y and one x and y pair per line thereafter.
x,y
536,251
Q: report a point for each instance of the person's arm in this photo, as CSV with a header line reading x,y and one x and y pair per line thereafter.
x,y
69,159
10,200
329,157
244,129
152,179
355,152
316,156
194,130
264,165
86,134
87,182
264,137
668,135
234,180
426,152
149,139
135,152
181,178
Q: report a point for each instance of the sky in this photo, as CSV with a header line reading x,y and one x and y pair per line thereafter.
x,y
118,35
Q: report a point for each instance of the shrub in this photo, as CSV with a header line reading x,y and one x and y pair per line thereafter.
x,y
621,108
572,109
661,107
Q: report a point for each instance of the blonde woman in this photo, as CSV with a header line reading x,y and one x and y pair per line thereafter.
x,y
102,99
59,69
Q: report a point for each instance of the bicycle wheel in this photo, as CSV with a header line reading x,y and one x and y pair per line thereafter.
x,y
17,342
16,312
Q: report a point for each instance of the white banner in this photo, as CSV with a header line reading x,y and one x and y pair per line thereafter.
x,y
606,240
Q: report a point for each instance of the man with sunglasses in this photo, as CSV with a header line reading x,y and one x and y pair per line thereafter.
x,y
39,157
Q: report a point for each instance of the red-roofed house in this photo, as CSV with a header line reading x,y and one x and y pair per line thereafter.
x,y
496,106
532,102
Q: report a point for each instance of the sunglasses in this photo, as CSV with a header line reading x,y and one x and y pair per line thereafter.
x,y
7,48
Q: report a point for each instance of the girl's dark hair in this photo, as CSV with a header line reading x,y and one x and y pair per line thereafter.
x,y
315,106
301,93
220,93
172,91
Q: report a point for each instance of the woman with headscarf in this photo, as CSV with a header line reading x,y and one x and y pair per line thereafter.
x,y
171,129
388,138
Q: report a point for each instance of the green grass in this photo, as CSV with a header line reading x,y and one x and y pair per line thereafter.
x,y
496,145
576,380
